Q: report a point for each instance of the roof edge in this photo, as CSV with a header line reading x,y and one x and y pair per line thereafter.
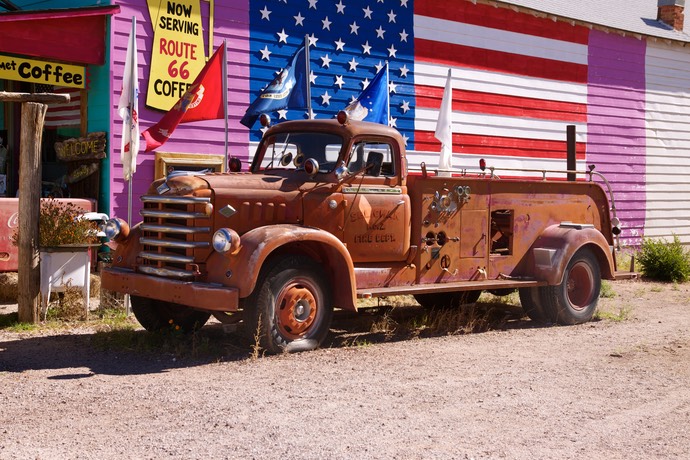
x,y
683,41
57,13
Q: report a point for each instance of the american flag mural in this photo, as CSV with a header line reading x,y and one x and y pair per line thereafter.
x,y
512,99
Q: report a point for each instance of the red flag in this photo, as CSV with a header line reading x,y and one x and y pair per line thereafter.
x,y
202,101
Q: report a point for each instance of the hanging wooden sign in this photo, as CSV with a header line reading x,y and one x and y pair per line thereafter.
x,y
91,147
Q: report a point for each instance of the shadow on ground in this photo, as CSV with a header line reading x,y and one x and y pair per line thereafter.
x,y
131,352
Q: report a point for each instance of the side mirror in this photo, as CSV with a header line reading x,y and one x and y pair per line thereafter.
x,y
374,162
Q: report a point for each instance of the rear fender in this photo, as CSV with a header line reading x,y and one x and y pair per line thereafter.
x,y
558,243
260,244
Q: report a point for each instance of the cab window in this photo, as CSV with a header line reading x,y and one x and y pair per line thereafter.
x,y
291,150
360,154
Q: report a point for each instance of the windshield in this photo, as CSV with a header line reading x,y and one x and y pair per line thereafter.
x,y
291,150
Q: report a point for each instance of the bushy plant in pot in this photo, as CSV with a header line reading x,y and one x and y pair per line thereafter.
x,y
64,240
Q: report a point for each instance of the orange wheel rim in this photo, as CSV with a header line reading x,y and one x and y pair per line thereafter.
x,y
296,308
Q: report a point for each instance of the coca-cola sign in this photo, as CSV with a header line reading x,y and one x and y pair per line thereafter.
x,y
13,221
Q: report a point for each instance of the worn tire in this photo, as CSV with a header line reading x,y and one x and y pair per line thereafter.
x,y
531,304
575,299
291,302
156,315
447,299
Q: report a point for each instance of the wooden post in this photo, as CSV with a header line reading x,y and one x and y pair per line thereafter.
x,y
33,115
29,271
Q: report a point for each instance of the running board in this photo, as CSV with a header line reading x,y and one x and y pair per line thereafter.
x,y
366,293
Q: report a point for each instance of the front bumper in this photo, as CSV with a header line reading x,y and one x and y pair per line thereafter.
x,y
194,294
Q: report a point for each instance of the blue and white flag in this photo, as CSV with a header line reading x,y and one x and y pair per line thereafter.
x,y
128,107
287,91
373,103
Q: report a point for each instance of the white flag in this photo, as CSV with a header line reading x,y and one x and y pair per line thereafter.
x,y
444,128
128,108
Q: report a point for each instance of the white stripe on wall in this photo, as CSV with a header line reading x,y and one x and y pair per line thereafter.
x,y
459,33
497,125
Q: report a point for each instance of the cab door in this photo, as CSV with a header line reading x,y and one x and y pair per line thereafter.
x,y
377,207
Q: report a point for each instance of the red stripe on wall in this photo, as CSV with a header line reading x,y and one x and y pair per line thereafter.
x,y
499,104
501,18
499,146
497,61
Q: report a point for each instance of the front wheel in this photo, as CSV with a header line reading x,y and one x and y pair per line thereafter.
x,y
156,315
291,302
575,299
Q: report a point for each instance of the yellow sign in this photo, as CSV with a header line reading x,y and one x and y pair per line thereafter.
x,y
47,73
177,54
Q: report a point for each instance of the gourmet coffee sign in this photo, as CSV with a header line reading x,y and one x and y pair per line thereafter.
x,y
91,147
47,73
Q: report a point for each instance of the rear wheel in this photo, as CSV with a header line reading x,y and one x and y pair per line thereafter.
x,y
575,299
155,315
447,299
291,303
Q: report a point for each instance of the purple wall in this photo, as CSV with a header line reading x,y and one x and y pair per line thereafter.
x,y
231,23
616,123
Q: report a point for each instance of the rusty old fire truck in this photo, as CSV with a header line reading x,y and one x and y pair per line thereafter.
x,y
328,214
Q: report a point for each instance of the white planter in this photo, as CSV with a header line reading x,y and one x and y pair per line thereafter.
x,y
63,266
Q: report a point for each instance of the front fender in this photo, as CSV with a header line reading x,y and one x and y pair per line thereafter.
x,y
558,243
126,252
242,268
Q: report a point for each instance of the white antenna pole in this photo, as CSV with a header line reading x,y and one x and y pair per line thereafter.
x,y
388,97
308,75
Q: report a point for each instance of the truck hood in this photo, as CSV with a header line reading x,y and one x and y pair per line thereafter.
x,y
248,201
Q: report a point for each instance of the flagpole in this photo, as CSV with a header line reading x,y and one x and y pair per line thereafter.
x,y
388,96
132,95
133,76
225,96
308,75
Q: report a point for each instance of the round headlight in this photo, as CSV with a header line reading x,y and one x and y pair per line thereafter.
x,y
221,240
225,240
116,229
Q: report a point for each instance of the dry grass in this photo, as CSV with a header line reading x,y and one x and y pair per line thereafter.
x,y
401,318
67,305
8,287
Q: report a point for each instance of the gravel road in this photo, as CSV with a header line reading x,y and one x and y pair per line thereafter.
x,y
609,389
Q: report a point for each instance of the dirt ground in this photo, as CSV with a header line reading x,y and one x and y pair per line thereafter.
x,y
615,388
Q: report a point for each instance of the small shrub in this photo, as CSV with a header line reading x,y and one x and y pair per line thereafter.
x,y
59,224
607,291
664,261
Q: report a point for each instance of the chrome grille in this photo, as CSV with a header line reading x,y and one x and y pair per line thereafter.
x,y
176,235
